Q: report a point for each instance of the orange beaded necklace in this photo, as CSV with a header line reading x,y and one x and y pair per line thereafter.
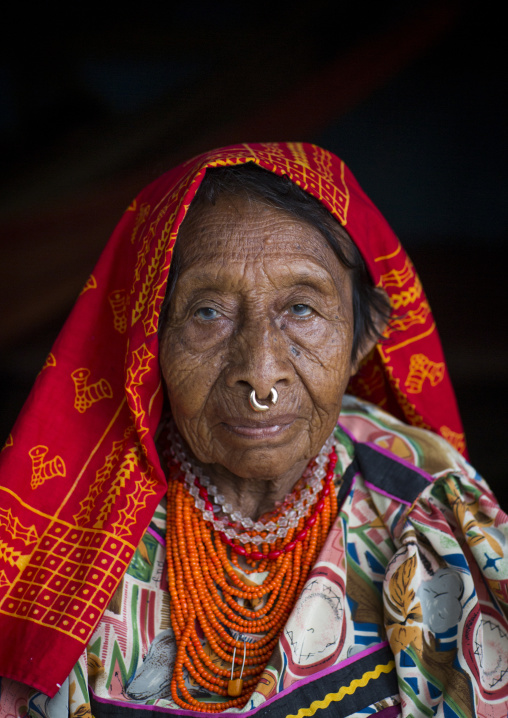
x,y
213,601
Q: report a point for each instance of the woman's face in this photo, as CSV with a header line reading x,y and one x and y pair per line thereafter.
x,y
261,301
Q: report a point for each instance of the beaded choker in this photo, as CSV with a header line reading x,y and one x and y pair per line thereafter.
x,y
227,625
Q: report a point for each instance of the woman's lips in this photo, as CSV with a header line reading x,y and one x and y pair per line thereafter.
x,y
258,429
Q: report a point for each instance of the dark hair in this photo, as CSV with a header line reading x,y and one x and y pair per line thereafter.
x,y
249,180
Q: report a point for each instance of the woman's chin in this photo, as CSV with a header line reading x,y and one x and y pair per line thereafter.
x,y
263,468
264,453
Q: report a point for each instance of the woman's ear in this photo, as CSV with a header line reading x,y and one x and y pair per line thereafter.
x,y
370,339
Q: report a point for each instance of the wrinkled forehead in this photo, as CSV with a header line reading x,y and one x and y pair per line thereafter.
x,y
239,227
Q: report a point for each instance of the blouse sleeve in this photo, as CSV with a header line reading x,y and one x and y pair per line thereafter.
x,y
446,597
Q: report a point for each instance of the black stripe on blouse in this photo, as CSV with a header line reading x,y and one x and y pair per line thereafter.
x,y
383,472
339,693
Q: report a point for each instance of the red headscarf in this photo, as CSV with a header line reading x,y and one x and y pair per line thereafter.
x,y
80,476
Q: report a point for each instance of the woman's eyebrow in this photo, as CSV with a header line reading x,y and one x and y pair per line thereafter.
x,y
319,280
315,276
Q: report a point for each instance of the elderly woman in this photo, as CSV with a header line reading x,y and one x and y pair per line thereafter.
x,y
186,521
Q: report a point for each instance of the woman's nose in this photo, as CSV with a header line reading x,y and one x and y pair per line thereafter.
x,y
259,358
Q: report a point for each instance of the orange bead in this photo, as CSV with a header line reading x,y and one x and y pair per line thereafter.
x,y
235,688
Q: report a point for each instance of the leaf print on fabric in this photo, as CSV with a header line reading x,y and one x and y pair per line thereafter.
x,y
401,593
94,664
143,552
401,637
402,608
83,711
469,516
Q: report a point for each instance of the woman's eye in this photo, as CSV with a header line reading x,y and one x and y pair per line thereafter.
x,y
207,313
301,310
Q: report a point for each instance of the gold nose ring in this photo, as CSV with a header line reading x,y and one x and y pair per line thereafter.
x,y
257,405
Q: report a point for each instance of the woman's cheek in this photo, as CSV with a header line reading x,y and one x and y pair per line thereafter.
x,y
324,366
189,381
188,378
326,345
201,338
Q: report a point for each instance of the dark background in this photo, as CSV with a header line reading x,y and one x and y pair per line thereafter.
x,y
412,95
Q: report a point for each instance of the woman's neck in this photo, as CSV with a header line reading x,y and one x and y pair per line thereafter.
x,y
253,497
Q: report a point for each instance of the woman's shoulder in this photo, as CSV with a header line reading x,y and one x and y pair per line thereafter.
x,y
412,445
407,464
413,475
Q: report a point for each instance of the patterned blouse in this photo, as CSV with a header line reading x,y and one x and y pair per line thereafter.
x,y
404,613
